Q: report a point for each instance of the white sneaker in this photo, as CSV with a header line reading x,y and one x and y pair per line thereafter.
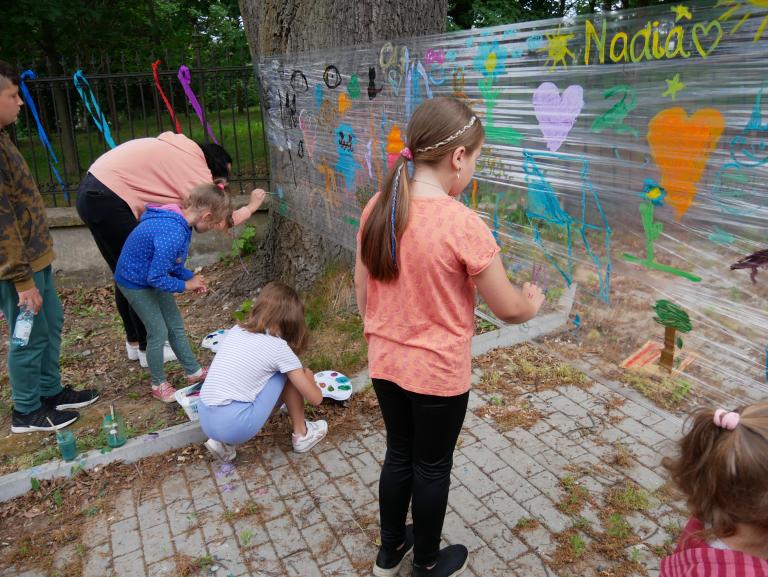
x,y
133,351
221,451
316,431
168,355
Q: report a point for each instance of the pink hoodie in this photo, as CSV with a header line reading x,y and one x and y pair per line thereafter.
x,y
161,170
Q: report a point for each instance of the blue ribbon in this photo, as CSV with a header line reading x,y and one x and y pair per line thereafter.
x,y
395,187
52,160
81,83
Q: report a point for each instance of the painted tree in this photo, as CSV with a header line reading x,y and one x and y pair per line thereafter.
x,y
276,27
674,319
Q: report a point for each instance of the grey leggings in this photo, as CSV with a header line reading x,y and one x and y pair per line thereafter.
x,y
158,311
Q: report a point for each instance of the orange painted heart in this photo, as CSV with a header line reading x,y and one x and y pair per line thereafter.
x,y
681,147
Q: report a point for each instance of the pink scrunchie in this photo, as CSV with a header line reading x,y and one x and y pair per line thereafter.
x,y
726,420
406,153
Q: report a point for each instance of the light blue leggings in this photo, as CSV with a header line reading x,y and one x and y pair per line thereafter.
x,y
238,422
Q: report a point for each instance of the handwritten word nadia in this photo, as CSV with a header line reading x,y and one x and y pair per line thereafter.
x,y
650,43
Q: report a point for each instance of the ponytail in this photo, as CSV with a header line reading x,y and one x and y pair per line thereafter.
x,y
385,225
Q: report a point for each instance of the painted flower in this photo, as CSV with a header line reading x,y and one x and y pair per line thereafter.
x,y
490,58
654,192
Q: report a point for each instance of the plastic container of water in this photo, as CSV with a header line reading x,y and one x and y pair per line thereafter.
x,y
67,445
23,328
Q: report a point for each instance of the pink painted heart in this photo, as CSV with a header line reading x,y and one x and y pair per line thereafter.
x,y
557,114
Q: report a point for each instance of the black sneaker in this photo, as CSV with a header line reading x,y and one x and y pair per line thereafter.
x,y
39,420
451,561
69,398
388,562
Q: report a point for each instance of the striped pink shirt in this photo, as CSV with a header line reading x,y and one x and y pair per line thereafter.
x,y
695,558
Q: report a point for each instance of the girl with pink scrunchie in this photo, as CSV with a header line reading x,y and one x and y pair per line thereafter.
x,y
722,470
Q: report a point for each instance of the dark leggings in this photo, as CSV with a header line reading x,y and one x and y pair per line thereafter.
x,y
421,435
110,221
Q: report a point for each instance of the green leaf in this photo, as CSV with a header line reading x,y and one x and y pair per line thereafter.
x,y
35,484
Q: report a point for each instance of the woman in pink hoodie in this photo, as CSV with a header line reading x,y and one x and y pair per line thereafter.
x,y
122,181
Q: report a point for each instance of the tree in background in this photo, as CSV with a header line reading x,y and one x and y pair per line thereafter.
x,y
296,254
57,36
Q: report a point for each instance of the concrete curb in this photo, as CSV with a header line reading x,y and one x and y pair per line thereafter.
x,y
18,483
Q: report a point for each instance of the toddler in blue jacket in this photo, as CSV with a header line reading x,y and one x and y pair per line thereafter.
x,y
151,268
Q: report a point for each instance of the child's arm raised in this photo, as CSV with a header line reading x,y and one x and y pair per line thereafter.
x,y
304,381
505,300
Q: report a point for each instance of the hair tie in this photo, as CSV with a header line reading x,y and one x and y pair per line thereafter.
x,y
406,153
220,185
726,420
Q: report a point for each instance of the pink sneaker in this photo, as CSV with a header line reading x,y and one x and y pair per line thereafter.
x,y
164,392
197,377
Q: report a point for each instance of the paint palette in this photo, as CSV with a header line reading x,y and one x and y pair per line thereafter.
x,y
334,385
212,340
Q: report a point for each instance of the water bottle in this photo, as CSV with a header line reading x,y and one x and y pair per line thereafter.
x,y
23,328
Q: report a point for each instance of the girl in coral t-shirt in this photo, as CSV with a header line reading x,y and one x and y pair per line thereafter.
x,y
420,255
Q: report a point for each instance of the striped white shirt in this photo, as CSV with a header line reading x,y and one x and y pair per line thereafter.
x,y
243,364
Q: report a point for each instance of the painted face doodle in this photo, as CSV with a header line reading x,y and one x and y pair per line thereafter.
x,y
299,82
345,146
331,76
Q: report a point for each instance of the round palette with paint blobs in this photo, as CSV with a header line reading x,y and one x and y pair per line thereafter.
x,y
334,385
212,340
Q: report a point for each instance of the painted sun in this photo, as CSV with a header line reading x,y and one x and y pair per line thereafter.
x,y
738,12
557,49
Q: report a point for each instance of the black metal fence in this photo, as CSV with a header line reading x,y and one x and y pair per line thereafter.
x,y
127,95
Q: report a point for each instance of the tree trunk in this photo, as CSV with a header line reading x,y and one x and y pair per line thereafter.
x,y
668,354
299,256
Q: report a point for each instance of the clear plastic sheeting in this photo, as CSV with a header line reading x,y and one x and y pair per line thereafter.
x,y
625,152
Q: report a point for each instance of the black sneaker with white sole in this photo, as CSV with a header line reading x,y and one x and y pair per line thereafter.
x,y
388,561
69,398
43,419
451,561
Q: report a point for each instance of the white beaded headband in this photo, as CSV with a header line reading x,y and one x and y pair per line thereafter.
x,y
453,136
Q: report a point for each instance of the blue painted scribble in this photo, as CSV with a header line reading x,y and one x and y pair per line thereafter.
x,y
345,146
749,150
544,209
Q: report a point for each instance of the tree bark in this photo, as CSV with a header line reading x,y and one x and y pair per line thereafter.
x,y
299,256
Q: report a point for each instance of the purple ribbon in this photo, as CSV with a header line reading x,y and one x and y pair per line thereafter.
x,y
185,77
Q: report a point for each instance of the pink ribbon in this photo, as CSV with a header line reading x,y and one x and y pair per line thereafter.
x,y
185,77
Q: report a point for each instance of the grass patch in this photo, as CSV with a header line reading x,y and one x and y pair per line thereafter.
x,y
571,546
621,456
526,524
524,369
247,510
628,498
574,498
668,392
508,417
330,311
188,566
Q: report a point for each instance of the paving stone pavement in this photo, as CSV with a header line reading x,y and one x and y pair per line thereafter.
x,y
314,514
